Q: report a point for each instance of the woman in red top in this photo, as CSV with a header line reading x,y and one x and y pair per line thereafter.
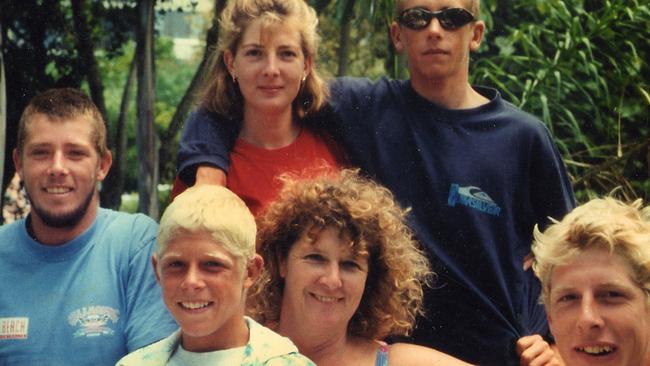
x,y
262,77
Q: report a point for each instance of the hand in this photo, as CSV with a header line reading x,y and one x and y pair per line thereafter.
x,y
207,174
533,350
528,261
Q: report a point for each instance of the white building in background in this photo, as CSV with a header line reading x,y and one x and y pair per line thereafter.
x,y
187,27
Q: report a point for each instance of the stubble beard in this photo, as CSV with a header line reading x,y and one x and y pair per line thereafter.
x,y
65,220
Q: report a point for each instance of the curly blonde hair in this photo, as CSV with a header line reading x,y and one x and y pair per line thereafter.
x,y
621,228
220,93
368,214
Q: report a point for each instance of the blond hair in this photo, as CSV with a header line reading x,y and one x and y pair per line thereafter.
x,y
220,93
368,215
213,210
621,228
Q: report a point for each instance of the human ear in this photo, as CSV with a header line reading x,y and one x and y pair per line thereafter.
x,y
105,163
253,270
154,263
18,164
309,64
229,61
478,30
396,36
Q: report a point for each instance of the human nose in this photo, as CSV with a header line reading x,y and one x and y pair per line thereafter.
x,y
332,277
589,317
434,28
192,279
58,166
271,66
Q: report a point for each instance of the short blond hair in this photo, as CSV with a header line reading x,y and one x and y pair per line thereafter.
x,y
621,228
220,93
368,215
214,210
474,7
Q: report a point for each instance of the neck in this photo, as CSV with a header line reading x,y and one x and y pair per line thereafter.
x,y
323,346
48,235
448,93
232,335
269,130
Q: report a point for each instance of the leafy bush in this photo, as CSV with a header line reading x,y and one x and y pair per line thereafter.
x,y
581,66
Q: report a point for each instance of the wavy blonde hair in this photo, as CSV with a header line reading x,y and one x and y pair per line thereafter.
x,y
368,214
220,93
621,228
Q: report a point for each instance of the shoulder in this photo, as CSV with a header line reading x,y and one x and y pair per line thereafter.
x,y
12,235
270,348
12,229
508,111
411,354
155,354
346,87
133,230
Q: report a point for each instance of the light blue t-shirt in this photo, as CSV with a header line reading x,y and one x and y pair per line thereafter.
x,y
87,302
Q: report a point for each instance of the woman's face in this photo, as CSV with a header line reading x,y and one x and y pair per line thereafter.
x,y
269,66
324,281
597,313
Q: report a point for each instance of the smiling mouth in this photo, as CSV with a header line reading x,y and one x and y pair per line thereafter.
x,y
194,305
58,190
325,299
596,350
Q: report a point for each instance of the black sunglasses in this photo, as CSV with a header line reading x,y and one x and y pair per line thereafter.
x,y
419,18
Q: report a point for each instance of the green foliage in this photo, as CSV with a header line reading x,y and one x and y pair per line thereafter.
x,y
581,67
172,79
368,53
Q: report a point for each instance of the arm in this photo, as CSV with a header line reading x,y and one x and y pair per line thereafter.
x,y
533,350
411,354
206,142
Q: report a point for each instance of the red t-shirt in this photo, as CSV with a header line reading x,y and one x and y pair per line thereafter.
x,y
253,170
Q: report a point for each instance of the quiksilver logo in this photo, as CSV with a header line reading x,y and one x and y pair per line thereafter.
x,y
472,197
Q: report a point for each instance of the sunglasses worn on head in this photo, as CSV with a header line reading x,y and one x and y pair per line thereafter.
x,y
419,18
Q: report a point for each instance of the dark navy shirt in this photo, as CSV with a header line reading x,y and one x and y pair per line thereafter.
x,y
477,180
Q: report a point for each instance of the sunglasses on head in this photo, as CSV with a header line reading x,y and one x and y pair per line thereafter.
x,y
419,18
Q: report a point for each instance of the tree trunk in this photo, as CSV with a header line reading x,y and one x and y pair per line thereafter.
x,y
114,183
183,108
146,133
80,15
344,38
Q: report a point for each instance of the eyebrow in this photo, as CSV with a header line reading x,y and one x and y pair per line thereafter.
x,y
175,255
608,284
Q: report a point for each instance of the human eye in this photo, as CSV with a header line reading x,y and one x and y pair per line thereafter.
x,y
566,298
288,54
351,265
173,266
77,153
39,153
213,265
314,257
611,296
253,52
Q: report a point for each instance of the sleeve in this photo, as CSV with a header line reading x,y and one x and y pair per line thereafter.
x,y
207,139
147,317
551,192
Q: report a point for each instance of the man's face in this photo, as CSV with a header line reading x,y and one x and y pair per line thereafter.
x,y
60,167
436,53
597,313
